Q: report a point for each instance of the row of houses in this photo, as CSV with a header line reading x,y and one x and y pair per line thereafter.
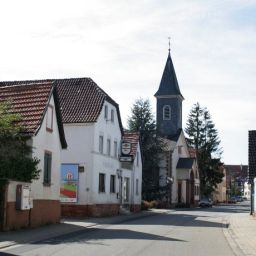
x,y
89,165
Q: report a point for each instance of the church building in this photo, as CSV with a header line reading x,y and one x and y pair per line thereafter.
x,y
178,170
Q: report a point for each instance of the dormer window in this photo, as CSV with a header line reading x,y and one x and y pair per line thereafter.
x,y
106,112
167,112
49,119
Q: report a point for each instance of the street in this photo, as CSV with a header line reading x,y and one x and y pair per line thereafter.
x,y
169,232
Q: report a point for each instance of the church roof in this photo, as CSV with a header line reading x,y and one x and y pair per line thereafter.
x,y
169,83
176,136
185,163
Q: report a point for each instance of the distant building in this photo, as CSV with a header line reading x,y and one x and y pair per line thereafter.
x,y
220,193
178,171
236,176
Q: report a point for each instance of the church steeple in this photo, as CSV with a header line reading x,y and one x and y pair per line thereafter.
x,y
169,83
169,101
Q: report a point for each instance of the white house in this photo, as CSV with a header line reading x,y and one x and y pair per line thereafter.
x,y
94,183
132,173
28,204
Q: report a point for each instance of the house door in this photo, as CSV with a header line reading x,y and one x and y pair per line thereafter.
x,y
179,192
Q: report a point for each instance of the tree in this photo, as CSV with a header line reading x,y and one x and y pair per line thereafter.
x,y
16,161
203,136
142,121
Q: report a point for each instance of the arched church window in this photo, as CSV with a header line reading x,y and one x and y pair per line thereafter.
x,y
167,112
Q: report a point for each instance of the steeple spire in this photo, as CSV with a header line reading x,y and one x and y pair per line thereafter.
x,y
169,84
169,49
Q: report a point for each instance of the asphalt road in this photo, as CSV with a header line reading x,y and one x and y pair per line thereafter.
x,y
183,232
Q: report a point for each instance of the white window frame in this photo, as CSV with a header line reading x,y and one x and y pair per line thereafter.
x,y
115,148
103,188
112,183
112,115
108,146
49,118
101,144
106,112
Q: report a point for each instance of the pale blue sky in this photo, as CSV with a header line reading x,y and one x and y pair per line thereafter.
x,y
122,45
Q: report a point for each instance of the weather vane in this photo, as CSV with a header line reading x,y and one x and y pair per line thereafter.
x,y
169,44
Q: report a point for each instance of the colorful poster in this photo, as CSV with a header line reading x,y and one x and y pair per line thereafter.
x,y
69,183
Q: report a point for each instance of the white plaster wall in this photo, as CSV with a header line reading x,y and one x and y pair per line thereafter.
x,y
49,141
183,193
175,158
79,138
137,174
83,149
11,194
102,163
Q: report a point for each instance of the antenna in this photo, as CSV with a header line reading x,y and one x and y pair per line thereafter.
x,y
169,39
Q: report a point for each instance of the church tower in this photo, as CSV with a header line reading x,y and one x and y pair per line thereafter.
x,y
169,102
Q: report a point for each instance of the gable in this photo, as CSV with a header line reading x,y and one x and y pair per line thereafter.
x,y
31,102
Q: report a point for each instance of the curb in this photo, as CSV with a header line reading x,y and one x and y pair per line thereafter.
x,y
230,237
79,228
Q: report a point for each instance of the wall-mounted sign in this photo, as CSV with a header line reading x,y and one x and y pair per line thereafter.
x,y
69,183
126,148
125,158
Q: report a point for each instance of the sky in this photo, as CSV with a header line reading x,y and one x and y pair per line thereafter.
x,y
123,46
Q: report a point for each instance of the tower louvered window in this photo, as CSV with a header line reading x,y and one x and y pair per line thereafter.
x,y
167,112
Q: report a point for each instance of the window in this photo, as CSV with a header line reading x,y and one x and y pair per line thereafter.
x,y
112,183
106,112
101,144
47,167
115,148
137,186
167,112
49,118
112,115
108,147
102,182
137,160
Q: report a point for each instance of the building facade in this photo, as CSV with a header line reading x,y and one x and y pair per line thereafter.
x,y
28,204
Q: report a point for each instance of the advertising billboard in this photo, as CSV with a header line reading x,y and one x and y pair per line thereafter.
x,y
69,183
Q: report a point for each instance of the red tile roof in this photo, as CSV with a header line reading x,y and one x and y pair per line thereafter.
x,y
31,101
133,138
81,99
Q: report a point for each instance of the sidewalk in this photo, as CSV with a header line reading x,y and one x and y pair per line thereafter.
x,y
66,226
241,233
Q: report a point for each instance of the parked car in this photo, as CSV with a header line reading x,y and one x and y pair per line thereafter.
x,y
205,202
232,200
239,199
